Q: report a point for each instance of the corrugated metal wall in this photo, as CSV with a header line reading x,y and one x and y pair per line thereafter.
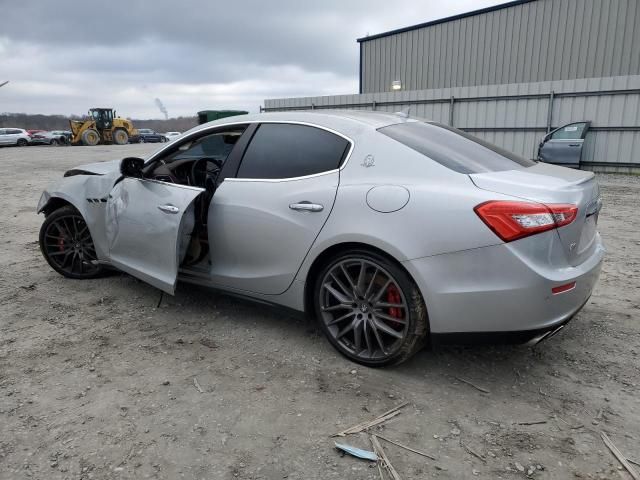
x,y
516,116
529,42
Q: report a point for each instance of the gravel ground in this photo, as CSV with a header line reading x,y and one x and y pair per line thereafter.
x,y
96,382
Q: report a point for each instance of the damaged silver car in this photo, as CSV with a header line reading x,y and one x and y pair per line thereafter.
x,y
389,230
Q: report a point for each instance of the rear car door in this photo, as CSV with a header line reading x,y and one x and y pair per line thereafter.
x,y
263,222
144,223
3,136
563,146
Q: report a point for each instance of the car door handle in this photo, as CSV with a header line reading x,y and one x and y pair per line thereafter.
x,y
306,207
168,208
574,144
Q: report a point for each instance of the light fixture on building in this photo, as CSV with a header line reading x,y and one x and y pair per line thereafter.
x,y
396,85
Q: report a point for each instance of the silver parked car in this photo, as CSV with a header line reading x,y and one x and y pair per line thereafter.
x,y
389,230
14,136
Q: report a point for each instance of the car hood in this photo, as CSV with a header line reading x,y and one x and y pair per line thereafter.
x,y
99,168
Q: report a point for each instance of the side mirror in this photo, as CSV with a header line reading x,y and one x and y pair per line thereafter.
x,y
131,167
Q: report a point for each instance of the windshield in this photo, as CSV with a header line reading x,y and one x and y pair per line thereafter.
x,y
454,149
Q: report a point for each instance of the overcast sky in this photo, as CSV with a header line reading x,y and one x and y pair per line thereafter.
x,y
66,56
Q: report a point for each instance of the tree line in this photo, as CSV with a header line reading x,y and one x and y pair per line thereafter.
x,y
61,122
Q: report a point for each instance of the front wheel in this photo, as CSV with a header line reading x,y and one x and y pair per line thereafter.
x,y
66,244
370,309
90,137
120,137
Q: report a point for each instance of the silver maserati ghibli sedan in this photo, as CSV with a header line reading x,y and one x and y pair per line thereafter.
x,y
391,231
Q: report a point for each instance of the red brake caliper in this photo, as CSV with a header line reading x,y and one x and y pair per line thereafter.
x,y
61,241
393,296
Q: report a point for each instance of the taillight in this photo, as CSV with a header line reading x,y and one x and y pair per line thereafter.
x,y
514,220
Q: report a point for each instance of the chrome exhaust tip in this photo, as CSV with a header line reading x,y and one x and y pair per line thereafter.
x,y
545,336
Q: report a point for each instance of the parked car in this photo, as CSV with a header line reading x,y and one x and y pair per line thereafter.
x,y
146,135
14,136
49,138
64,136
171,135
391,231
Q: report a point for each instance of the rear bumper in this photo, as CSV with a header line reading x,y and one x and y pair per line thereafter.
x,y
495,291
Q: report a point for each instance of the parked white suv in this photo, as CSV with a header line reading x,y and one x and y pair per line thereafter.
x,y
14,136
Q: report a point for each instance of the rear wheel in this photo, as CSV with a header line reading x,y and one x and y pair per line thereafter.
x,y
120,137
90,137
370,309
66,244
141,140
53,142
22,142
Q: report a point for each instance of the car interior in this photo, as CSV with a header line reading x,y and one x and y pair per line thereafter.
x,y
196,163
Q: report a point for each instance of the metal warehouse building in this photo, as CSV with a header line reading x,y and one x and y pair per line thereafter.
x,y
511,74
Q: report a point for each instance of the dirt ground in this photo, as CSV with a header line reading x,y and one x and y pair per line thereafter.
x,y
97,382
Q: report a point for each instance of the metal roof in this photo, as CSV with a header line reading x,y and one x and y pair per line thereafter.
x,y
444,20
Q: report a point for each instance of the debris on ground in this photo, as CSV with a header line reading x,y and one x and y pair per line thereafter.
x,y
375,421
384,460
357,452
197,385
618,454
481,389
405,447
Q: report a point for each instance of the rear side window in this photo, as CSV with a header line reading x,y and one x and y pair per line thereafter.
x,y
280,150
454,148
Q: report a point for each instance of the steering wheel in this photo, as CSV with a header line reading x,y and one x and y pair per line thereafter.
x,y
203,175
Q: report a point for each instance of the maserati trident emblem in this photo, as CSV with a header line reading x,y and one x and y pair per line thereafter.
x,y
573,246
368,161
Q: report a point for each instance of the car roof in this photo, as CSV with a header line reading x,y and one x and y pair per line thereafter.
x,y
336,119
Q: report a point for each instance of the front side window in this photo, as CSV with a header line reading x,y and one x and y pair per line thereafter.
x,y
569,132
453,148
281,150
195,161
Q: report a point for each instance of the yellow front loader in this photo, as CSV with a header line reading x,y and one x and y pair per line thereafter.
x,y
103,127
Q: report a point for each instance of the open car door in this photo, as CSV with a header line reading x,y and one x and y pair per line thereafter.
x,y
146,221
563,146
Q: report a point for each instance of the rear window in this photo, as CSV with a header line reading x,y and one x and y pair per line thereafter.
x,y
454,148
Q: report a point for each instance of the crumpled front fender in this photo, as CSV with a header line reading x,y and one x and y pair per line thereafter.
x,y
88,194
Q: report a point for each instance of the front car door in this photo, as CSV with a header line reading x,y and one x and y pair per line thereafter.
x,y
563,146
263,222
144,225
150,221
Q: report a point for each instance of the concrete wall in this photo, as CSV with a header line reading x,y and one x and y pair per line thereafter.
x,y
526,42
516,116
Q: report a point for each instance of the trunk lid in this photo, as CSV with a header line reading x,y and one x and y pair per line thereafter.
x,y
545,183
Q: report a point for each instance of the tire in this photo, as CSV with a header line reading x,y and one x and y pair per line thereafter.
x,y
22,142
67,246
120,137
141,140
384,308
53,142
90,137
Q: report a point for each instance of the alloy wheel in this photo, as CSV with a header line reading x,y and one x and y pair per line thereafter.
x,y
68,245
364,309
